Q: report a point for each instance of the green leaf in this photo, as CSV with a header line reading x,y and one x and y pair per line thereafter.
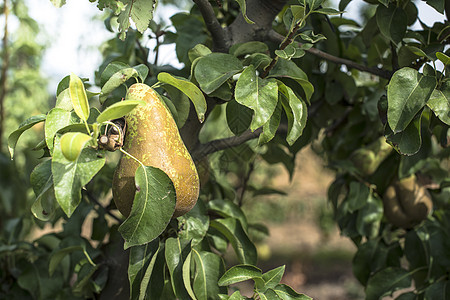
x,y
392,22
271,126
139,263
273,277
407,142
118,110
176,252
328,11
147,276
57,257
285,292
407,92
260,95
57,119
243,7
111,69
310,36
84,277
236,296
189,89
70,176
214,69
117,79
41,179
153,207
72,143
296,112
357,196
440,103
232,229
195,224
197,52
369,217
387,281
78,96
15,135
288,69
187,276
444,58
242,49
209,267
142,71
140,11
240,273
64,101
239,117
438,290
181,103
227,208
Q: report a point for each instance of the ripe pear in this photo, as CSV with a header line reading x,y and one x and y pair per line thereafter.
x,y
406,203
153,138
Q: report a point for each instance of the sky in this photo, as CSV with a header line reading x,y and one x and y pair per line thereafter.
x,y
74,39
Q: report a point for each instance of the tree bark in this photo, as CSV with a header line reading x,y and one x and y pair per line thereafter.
x,y
262,13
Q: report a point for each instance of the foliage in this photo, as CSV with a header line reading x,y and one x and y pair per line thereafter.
x,y
369,96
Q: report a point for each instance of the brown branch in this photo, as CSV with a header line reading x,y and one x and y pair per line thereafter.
x,y
283,46
222,144
386,74
217,32
202,150
4,70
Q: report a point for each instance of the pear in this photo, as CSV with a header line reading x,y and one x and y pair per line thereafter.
x,y
406,203
153,138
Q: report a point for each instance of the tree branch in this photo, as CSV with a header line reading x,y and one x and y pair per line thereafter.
x,y
219,35
202,150
222,144
386,74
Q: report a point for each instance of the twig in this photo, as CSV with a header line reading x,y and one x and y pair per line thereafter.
x,y
283,46
217,32
276,37
93,199
144,52
245,184
222,144
4,70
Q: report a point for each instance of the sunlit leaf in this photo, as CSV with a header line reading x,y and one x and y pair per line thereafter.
x,y
440,103
240,273
188,88
260,95
118,110
243,7
70,176
78,97
407,92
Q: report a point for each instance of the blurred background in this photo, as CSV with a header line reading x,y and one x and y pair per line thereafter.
x,y
47,43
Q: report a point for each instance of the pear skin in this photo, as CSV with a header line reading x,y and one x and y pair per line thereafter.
x,y
153,138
